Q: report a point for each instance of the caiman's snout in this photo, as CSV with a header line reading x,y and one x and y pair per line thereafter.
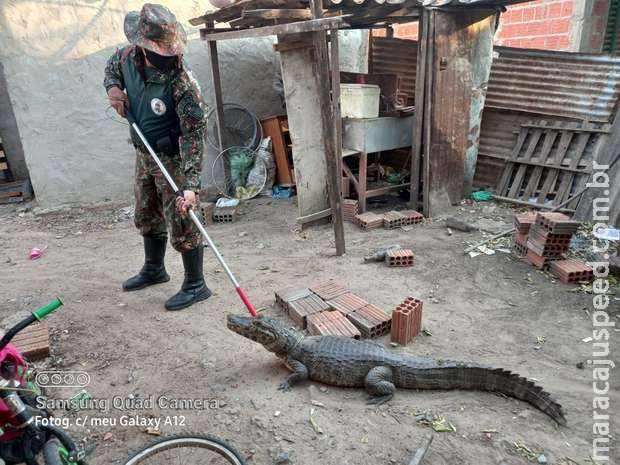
x,y
255,329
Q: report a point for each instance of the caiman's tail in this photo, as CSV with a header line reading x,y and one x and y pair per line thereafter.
x,y
477,377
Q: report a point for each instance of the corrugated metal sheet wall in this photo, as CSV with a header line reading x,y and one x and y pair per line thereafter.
x,y
525,85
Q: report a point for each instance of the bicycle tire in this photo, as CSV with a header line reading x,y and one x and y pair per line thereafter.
x,y
184,440
53,453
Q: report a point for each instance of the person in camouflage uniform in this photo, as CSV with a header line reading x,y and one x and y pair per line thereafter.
x,y
149,79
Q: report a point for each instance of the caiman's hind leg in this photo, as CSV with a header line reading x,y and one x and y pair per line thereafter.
x,y
379,385
299,373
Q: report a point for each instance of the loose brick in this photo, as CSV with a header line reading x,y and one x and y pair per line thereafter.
x,y
300,309
290,294
571,271
371,321
406,321
412,217
33,342
225,215
393,220
347,303
369,220
524,221
206,210
331,323
521,239
401,257
328,290
556,223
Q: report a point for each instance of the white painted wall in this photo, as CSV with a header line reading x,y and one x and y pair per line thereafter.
x,y
54,54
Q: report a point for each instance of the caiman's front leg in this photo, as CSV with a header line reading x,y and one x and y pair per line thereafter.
x,y
379,385
299,373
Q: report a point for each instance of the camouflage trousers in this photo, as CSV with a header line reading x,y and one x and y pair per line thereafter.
x,y
156,211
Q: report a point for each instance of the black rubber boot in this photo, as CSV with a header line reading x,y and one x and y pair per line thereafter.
x,y
194,288
153,271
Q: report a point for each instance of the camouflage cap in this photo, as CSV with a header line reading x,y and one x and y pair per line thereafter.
x,y
156,28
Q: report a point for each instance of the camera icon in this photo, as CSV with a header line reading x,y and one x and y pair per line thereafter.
x,y
62,379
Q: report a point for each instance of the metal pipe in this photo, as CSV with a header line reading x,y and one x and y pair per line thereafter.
x,y
194,218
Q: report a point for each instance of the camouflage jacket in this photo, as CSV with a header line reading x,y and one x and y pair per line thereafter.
x,y
189,106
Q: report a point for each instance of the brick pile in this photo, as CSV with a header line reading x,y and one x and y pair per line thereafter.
x,y
406,321
412,217
350,209
522,224
400,257
549,238
328,308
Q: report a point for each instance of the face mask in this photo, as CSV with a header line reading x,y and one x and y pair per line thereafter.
x,y
159,61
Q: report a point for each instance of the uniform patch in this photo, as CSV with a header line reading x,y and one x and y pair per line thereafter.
x,y
158,106
191,109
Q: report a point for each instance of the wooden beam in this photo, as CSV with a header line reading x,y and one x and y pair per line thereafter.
x,y
314,216
335,69
312,25
217,95
333,157
297,13
234,11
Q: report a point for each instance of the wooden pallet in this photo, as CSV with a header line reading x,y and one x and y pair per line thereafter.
x,y
549,160
5,172
33,342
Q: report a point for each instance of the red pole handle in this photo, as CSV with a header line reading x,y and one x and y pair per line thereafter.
x,y
246,301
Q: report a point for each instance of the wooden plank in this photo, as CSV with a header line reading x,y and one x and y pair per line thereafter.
x,y
510,163
272,128
284,13
315,216
532,185
234,11
553,172
559,127
515,187
217,95
313,25
330,139
416,149
568,177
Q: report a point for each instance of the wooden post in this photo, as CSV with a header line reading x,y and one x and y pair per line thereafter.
x,y
217,94
334,167
418,128
335,67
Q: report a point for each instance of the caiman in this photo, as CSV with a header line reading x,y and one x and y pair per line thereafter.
x,y
341,361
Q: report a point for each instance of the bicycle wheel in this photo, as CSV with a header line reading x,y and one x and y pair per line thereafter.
x,y
54,453
187,449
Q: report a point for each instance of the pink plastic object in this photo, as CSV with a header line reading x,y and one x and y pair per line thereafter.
x,y
10,353
35,253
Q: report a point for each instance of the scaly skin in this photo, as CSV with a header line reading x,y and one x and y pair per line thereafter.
x,y
341,361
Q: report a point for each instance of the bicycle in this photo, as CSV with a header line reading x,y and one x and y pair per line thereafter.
x,y
24,433
184,449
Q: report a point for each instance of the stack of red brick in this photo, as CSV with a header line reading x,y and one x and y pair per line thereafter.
x,y
328,308
543,239
390,220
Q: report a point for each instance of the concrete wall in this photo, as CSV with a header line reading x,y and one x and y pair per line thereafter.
x,y
53,55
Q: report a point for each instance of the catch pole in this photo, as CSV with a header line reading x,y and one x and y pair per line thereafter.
x,y
242,295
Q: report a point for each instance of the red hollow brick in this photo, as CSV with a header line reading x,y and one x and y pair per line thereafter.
x,y
400,257
393,220
371,321
290,294
571,271
328,290
347,303
332,323
406,321
412,217
300,309
369,220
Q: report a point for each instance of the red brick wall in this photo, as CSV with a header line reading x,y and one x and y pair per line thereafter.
x,y
543,24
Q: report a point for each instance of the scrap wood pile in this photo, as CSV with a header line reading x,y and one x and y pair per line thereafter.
x,y
328,308
543,240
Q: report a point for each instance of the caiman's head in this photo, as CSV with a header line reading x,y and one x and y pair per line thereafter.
x,y
273,334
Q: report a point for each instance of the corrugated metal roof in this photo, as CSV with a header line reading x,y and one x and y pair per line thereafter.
x,y
583,87
395,56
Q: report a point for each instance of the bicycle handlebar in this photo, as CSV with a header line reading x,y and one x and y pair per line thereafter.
x,y
37,315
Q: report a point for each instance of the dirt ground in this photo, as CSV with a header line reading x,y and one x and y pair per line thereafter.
x,y
489,309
